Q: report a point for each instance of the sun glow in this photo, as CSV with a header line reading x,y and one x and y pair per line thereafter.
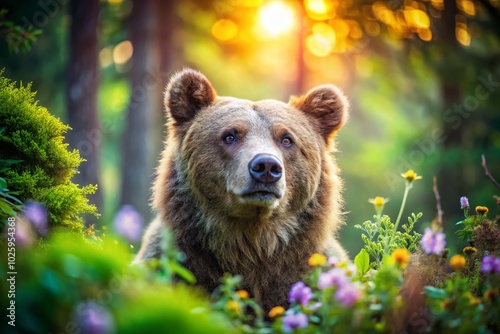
x,y
276,18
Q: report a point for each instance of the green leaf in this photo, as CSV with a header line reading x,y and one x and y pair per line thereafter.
x,y
182,272
362,262
434,293
3,183
10,199
460,222
5,207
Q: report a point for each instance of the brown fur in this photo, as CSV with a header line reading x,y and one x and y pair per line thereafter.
x,y
201,179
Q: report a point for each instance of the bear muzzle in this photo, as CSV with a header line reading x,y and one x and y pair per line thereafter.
x,y
266,182
265,168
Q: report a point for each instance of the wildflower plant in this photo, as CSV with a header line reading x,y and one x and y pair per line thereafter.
x,y
468,300
382,236
470,221
243,312
335,295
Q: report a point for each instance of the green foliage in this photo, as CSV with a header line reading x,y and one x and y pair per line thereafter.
x,y
55,280
168,268
409,238
9,204
18,38
468,300
35,137
469,223
244,313
362,263
370,307
161,309
382,236
377,234
455,309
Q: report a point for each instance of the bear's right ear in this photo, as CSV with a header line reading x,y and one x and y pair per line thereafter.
x,y
188,92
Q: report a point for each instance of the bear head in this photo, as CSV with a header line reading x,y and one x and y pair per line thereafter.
x,y
247,160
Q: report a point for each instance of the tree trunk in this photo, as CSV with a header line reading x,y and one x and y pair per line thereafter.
x,y
165,24
81,94
450,177
136,175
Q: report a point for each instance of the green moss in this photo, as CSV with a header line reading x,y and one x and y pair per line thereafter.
x,y
33,135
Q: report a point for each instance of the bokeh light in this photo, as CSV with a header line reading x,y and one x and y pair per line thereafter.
x,y
320,9
438,4
467,7
106,56
122,52
425,34
276,18
462,34
417,18
224,30
322,41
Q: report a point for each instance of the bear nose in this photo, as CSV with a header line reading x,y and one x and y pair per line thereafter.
x,y
265,168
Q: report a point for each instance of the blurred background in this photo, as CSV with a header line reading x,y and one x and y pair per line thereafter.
x,y
423,78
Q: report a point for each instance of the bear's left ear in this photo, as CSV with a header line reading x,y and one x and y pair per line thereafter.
x,y
326,105
188,92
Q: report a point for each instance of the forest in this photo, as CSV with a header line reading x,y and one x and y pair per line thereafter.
x,y
83,125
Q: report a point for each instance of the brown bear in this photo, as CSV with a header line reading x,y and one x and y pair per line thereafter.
x,y
248,188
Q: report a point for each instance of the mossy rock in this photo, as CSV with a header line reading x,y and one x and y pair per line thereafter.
x,y
36,137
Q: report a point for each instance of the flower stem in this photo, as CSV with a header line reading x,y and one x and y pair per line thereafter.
x,y
396,225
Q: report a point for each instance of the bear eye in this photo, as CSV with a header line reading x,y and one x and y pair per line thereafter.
x,y
229,139
286,141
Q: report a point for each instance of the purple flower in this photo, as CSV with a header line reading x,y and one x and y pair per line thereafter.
x,y
347,294
490,265
292,321
38,216
333,261
334,277
128,223
94,319
300,293
433,242
464,202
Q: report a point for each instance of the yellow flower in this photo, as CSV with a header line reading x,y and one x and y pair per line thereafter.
x,y
378,201
411,176
243,294
482,210
491,294
233,306
317,260
457,262
401,256
276,311
473,300
469,250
